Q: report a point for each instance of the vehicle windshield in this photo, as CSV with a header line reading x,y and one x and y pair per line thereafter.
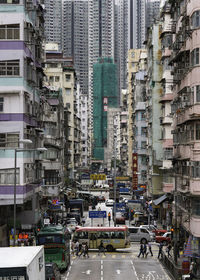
x,y
49,269
50,239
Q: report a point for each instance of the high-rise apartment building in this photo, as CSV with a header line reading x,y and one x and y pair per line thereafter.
x,y
53,21
75,38
121,41
141,15
100,42
138,16
152,12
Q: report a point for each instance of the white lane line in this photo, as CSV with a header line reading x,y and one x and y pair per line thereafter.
x,y
70,267
101,270
134,270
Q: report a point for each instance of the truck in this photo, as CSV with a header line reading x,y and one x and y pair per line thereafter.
x,y
76,209
22,263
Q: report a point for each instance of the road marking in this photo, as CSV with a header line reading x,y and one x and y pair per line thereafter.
x,y
70,267
113,256
123,256
94,256
118,271
86,272
101,270
134,270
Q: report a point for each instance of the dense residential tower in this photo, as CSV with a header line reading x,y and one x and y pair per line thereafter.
x,y
121,41
75,38
100,42
53,21
138,12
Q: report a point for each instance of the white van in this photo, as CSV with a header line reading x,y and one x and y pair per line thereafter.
x,y
140,235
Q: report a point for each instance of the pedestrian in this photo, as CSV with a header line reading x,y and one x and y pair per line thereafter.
x,y
168,249
141,252
101,248
150,249
82,250
155,223
145,253
77,247
72,247
86,250
192,269
160,252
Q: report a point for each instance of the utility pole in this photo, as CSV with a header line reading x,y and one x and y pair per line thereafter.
x,y
115,146
175,236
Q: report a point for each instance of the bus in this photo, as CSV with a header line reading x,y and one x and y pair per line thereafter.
x,y
112,237
56,241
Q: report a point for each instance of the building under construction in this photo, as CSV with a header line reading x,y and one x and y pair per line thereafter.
x,y
105,94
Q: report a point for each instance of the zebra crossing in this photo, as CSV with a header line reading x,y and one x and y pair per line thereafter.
x,y
132,255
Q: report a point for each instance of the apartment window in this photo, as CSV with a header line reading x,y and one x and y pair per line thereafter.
x,y
57,78
9,68
1,104
68,91
51,79
9,32
7,176
9,140
143,145
196,169
9,1
142,116
195,57
197,93
198,131
143,131
196,19
67,77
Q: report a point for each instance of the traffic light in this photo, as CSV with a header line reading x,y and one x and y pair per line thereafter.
x,y
109,216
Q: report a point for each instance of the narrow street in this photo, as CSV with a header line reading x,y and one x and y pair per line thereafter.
x,y
118,265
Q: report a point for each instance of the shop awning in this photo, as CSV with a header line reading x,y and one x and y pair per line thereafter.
x,y
160,199
188,250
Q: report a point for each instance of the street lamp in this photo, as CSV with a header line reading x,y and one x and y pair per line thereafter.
x,y
15,176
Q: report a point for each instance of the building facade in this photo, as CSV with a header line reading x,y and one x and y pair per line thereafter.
x,y
185,108
21,35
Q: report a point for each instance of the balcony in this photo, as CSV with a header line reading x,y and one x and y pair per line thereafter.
x,y
195,186
182,151
190,113
51,165
195,225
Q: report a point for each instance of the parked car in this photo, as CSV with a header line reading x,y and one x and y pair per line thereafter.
x,y
101,198
71,224
120,218
52,272
149,228
140,234
109,202
165,238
